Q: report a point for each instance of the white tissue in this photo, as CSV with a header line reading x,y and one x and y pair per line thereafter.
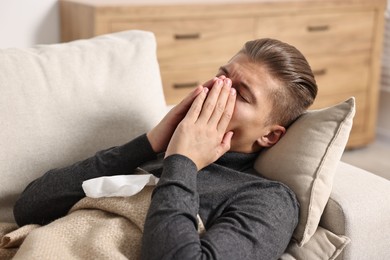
x,y
118,185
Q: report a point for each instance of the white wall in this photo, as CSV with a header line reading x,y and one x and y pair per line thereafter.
x,y
24,23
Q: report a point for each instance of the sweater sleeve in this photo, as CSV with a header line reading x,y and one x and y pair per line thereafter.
x,y
256,222
52,195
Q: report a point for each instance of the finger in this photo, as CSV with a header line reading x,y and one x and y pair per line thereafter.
x,y
221,103
196,106
228,112
226,143
210,102
185,104
208,84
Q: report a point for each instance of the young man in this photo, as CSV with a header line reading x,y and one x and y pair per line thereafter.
x,y
210,141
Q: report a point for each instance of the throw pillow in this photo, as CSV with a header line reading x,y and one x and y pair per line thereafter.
x,y
305,159
61,103
323,245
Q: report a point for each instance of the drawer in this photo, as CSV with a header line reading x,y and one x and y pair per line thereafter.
x,y
178,83
321,33
344,73
190,42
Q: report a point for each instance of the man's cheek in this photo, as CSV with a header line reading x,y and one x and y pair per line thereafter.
x,y
237,111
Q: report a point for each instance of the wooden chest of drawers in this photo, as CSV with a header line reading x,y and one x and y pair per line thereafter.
x,y
342,39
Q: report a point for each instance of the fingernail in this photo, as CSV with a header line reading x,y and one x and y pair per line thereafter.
x,y
232,91
219,82
206,90
228,81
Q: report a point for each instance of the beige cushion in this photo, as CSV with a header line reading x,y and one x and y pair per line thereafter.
x,y
306,158
61,103
322,245
359,208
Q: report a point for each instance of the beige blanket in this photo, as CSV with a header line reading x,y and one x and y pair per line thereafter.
x,y
104,228
111,228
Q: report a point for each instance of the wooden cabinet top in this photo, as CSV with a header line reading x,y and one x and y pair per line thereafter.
x,y
217,2
152,9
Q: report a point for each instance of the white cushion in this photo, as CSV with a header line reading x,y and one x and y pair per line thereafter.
x,y
61,103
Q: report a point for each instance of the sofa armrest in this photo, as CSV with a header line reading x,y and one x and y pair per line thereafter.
x,y
359,209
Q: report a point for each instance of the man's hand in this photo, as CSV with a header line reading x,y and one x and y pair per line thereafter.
x,y
201,135
161,134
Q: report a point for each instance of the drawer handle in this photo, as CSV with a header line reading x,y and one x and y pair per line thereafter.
x,y
186,85
319,72
318,28
189,36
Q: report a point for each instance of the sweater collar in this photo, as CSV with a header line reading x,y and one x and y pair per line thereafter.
x,y
237,161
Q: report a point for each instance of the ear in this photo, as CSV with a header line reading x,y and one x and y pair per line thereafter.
x,y
273,136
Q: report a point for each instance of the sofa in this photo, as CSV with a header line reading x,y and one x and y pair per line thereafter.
x,y
61,103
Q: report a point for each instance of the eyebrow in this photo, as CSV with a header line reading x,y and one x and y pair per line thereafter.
x,y
241,84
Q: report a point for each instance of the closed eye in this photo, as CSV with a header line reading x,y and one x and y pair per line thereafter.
x,y
242,97
243,90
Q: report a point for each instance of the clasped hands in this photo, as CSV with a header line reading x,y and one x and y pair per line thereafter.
x,y
196,127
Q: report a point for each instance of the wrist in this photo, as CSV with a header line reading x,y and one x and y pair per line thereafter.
x,y
152,141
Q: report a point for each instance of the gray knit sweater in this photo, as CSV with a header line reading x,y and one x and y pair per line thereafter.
x,y
246,216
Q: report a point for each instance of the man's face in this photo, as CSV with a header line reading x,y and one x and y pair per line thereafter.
x,y
253,105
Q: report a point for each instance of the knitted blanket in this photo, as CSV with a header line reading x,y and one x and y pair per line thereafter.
x,y
103,228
